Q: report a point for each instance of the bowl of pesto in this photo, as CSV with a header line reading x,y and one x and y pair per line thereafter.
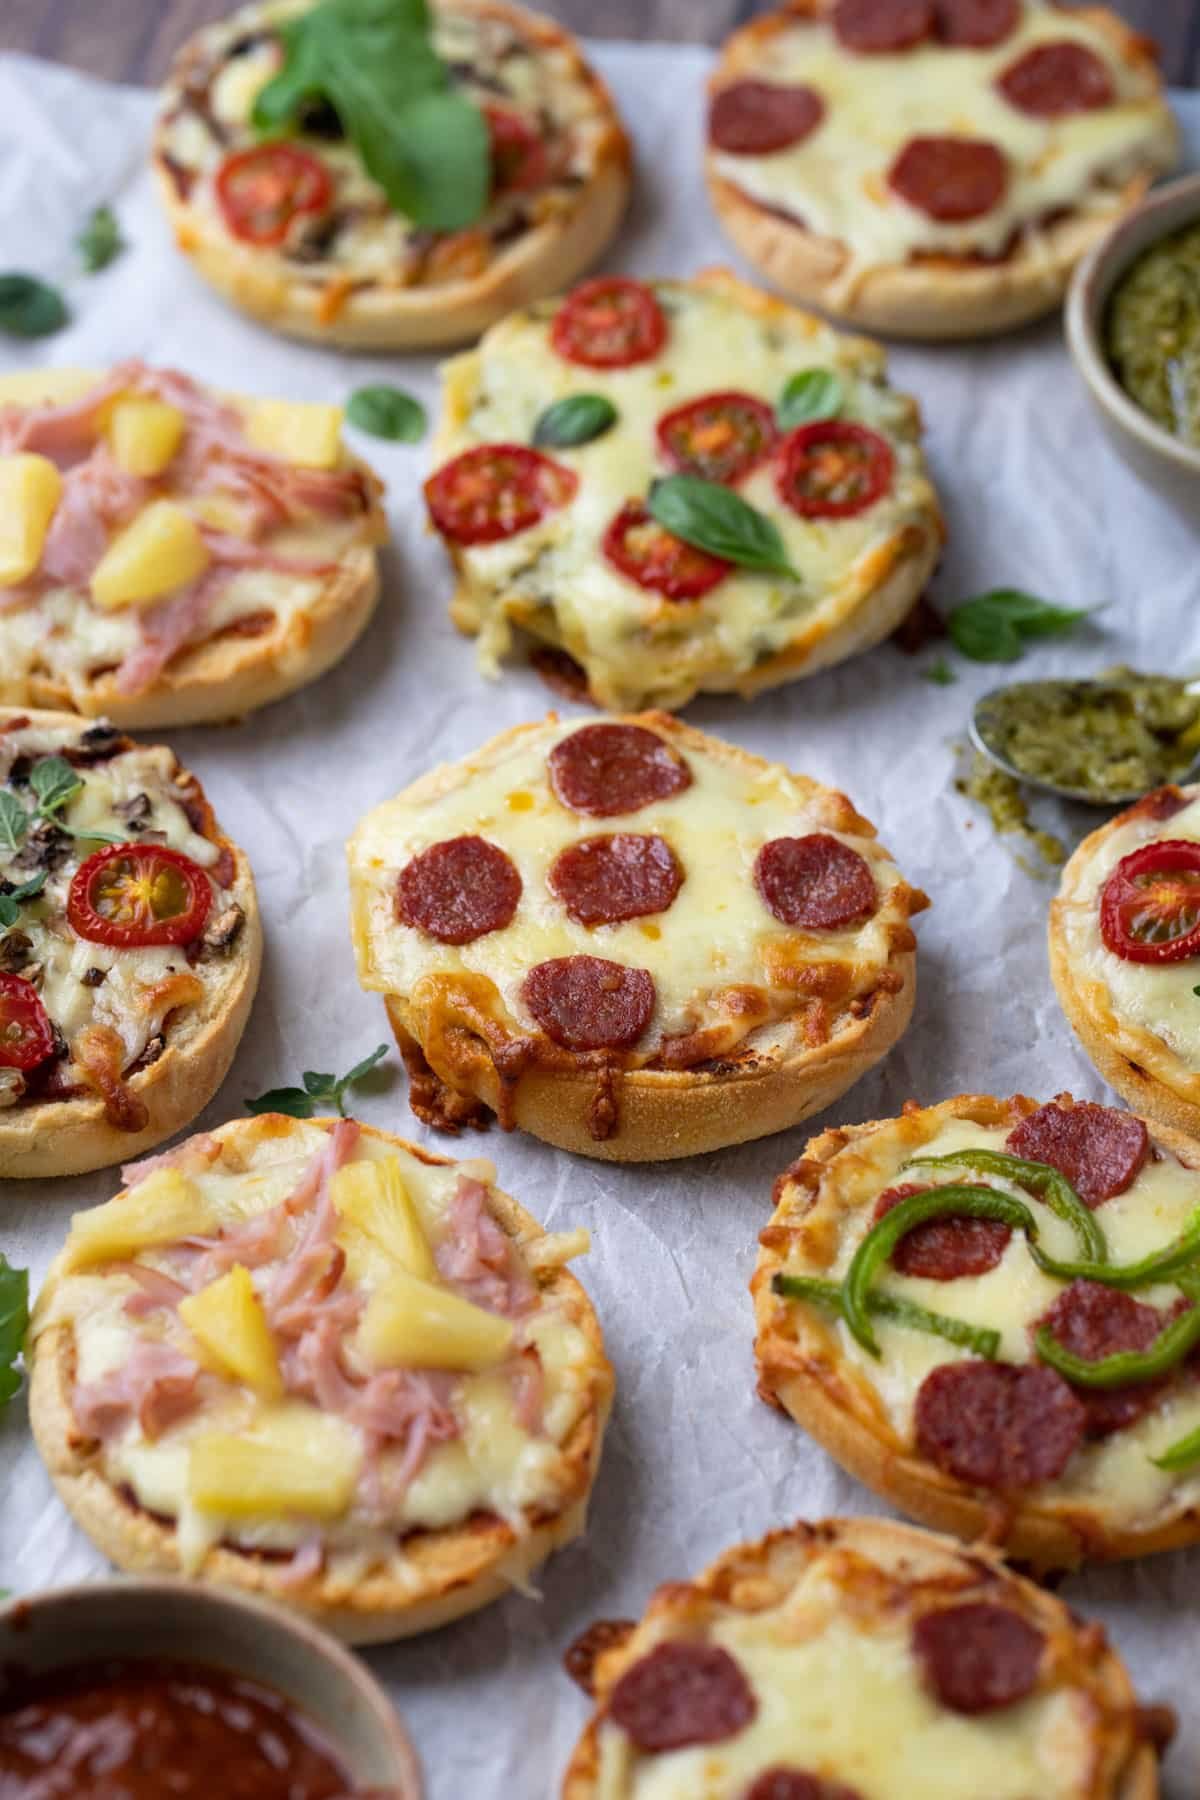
x,y
1133,327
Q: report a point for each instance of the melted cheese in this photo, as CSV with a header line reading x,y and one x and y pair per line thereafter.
x,y
639,649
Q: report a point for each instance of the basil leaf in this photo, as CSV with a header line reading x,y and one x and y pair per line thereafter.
x,y
940,673
100,241
576,420
10,904
432,160
54,782
809,394
14,821
14,1323
387,412
29,308
714,518
292,1101
995,626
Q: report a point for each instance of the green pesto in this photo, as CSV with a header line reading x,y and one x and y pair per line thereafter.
x,y
1152,333
1001,798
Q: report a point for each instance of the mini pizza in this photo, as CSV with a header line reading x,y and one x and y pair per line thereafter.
x,y
311,1361
297,232
547,922
169,556
856,1659
932,168
693,379
986,1310
1125,953
130,945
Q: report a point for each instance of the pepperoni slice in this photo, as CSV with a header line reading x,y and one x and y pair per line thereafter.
x,y
681,1694
496,490
1052,80
720,437
603,770
609,322
976,24
944,1249
1092,1321
625,875
1150,904
873,27
458,890
797,1784
978,1657
587,1003
646,552
998,1425
754,118
950,178
1097,1148
816,882
833,469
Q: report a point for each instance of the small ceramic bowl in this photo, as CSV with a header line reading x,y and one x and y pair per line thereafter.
x,y
241,1636
1164,461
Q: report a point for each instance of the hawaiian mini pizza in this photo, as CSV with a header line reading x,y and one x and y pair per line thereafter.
x,y
779,438
856,1659
933,168
355,230
630,939
130,946
310,1360
986,1311
1125,953
169,556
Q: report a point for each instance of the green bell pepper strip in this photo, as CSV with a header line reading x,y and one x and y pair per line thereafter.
x,y
1181,1454
1049,1185
1169,1348
1168,1264
979,1338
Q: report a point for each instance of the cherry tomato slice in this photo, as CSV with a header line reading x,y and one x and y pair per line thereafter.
x,y
132,895
520,159
833,469
1150,904
26,1034
655,558
719,436
496,490
261,190
609,322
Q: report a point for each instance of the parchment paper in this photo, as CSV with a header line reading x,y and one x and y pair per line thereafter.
x,y
693,1461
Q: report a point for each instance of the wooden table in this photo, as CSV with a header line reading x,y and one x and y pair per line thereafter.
x,y
132,40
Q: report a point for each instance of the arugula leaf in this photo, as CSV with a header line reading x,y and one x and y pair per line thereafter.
x,y
809,394
715,519
320,1093
940,673
995,626
100,242
14,821
14,1322
29,308
387,412
10,904
577,419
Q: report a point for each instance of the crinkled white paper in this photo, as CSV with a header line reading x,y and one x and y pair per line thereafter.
x,y
694,1461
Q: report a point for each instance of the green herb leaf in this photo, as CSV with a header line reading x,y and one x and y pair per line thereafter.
x,y
994,627
1196,991
293,1101
575,420
808,395
364,1067
320,1093
14,821
29,308
387,412
54,782
715,519
14,1322
10,904
100,241
940,673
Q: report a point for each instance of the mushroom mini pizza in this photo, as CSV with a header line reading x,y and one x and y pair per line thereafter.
x,y
129,945
630,939
934,168
440,166
310,1360
856,1659
170,556
685,485
986,1310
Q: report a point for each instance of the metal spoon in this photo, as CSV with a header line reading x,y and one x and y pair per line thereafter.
x,y
988,734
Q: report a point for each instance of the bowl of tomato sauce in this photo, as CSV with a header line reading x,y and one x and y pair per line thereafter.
x,y
136,1690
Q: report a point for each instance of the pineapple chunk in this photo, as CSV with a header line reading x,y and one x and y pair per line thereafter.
x,y
373,1198
301,431
493,1437
221,513
34,387
412,1324
228,1320
163,1208
161,550
30,487
292,1459
144,434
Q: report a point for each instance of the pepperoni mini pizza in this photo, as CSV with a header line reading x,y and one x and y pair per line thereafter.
x,y
986,1310
556,430
934,168
129,946
312,1361
630,939
169,556
857,1659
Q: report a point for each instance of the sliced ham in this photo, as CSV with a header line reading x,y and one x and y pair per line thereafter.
x,y
155,1291
64,432
167,628
303,1566
313,1368
528,1390
157,1386
478,1258
195,1154
238,553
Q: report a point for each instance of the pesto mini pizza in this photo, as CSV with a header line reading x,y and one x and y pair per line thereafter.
x,y
684,485
312,1361
129,945
438,167
856,1659
547,922
170,556
986,1310
934,168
